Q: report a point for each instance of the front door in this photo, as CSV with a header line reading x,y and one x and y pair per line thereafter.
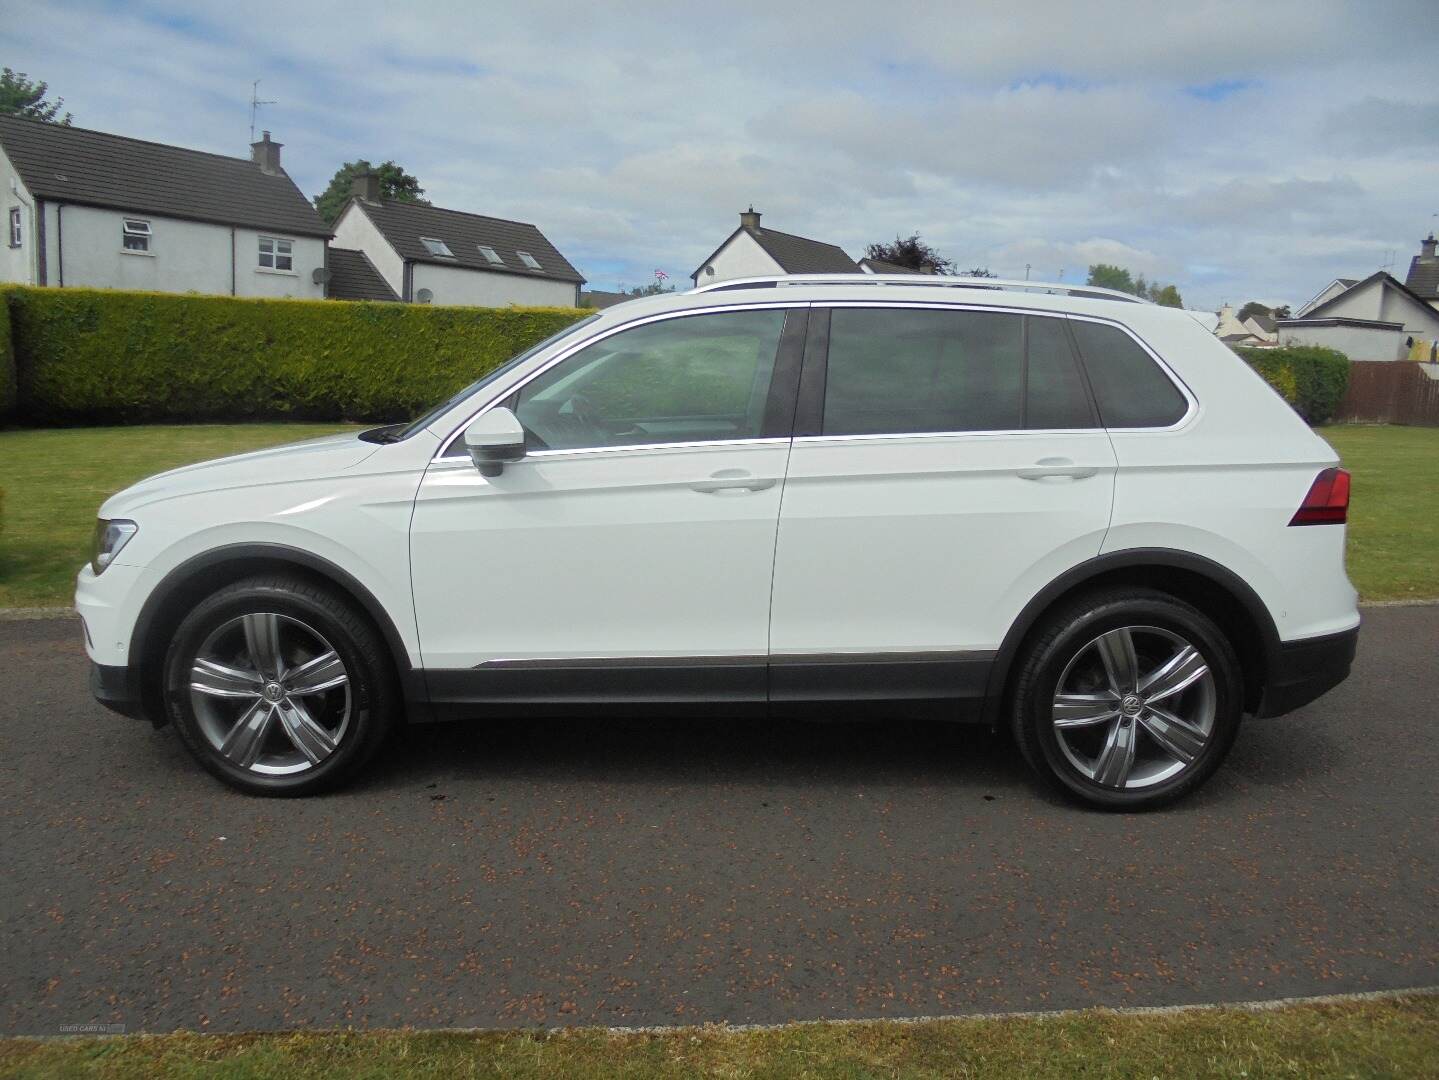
x,y
628,557
947,464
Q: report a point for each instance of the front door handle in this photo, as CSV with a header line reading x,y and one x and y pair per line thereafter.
x,y
732,480
1057,468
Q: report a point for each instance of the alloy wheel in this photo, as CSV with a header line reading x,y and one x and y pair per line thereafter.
x,y
1134,707
271,694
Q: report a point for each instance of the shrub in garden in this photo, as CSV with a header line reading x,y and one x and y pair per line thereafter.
x,y
101,356
1311,378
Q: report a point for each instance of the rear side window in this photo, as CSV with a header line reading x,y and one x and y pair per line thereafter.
x,y
1129,387
893,371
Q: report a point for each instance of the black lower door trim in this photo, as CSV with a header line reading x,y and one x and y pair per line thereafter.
x,y
950,685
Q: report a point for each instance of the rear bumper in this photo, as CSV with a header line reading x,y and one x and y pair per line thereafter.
x,y
1303,670
118,689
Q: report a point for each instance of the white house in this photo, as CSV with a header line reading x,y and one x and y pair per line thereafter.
x,y
752,251
427,255
87,208
1379,318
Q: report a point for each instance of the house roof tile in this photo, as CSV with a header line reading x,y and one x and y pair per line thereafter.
x,y
96,168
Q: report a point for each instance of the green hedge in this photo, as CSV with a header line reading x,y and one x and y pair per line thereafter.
x,y
7,360
100,356
1311,378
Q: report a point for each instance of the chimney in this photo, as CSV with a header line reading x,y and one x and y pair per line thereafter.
x,y
749,220
266,154
1426,250
366,185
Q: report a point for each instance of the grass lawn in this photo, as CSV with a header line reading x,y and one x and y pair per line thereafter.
x,y
54,480
1394,509
1390,1038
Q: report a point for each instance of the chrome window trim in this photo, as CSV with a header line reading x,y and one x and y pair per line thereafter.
x,y
1191,402
588,451
574,347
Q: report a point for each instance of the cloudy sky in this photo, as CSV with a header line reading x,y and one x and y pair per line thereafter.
x,y
1248,150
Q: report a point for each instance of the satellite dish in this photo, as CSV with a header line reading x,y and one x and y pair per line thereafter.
x,y
424,296
320,275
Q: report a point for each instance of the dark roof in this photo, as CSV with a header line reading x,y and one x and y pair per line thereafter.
x,y
354,277
404,223
599,299
800,255
880,266
1423,277
95,168
1381,276
795,254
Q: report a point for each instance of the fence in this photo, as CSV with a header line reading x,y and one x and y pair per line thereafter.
x,y
1397,392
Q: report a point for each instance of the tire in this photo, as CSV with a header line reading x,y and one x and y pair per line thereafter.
x,y
1140,725
304,719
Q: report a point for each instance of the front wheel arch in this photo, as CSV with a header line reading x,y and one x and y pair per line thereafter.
x,y
196,578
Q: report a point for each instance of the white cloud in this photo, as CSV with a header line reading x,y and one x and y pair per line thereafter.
x,y
1237,149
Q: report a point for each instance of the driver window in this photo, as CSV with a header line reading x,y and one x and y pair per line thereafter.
x,y
696,378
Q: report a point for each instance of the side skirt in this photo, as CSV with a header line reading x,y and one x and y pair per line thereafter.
x,y
944,685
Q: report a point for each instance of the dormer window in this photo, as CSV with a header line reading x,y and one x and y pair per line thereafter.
x,y
491,255
437,247
528,259
135,234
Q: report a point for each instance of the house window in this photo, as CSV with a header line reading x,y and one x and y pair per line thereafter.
x,y
437,247
491,255
276,254
135,234
16,236
528,260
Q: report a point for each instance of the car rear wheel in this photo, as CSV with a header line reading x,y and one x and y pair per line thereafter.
x,y
279,686
1128,699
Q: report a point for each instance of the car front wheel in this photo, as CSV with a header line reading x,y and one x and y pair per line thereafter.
x,y
279,686
1128,699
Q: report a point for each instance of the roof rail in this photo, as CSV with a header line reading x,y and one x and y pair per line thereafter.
x,y
934,281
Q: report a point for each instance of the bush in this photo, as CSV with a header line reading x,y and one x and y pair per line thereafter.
x,y
100,356
7,360
1310,377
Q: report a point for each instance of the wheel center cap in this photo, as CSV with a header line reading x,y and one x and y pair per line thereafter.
x,y
274,692
1131,705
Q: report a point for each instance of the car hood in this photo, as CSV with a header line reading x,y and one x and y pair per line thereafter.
x,y
310,460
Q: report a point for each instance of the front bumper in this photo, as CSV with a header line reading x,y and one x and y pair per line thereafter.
x,y
118,689
1303,670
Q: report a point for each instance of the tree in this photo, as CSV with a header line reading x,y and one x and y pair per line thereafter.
x,y
1104,276
912,252
20,96
395,184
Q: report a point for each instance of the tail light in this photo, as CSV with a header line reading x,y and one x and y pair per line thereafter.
x,y
1327,502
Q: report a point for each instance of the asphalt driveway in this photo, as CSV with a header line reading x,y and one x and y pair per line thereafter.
x,y
641,873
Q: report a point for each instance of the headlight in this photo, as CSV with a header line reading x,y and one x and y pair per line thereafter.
x,y
110,538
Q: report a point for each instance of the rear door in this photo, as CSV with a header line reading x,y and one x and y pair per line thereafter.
x,y
948,463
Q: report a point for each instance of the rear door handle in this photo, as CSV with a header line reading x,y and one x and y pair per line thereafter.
x,y
1058,468
737,480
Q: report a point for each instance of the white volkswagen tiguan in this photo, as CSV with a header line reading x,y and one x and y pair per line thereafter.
x,y
1047,507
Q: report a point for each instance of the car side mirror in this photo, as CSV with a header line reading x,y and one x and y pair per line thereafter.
x,y
495,438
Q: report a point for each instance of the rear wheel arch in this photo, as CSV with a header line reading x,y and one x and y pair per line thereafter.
x,y
1212,588
190,582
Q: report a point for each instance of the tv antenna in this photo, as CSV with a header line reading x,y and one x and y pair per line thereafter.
x,y
255,104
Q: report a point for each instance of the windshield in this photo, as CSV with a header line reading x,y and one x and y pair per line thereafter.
x,y
488,377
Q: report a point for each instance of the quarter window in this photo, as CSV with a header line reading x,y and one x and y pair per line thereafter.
x,y
1129,388
691,379
276,254
135,234
16,236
